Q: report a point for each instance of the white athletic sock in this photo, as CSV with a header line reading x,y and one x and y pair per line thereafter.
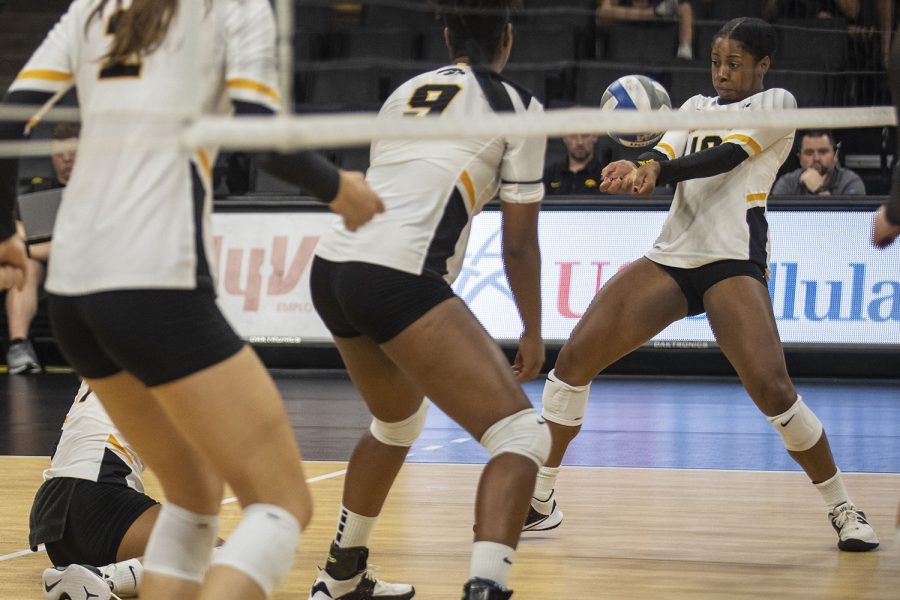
x,y
125,577
353,530
491,560
546,481
833,491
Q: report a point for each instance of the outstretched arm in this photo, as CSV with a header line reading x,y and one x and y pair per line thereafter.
x,y
654,168
345,192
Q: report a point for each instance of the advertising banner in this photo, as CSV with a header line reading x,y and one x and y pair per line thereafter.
x,y
827,284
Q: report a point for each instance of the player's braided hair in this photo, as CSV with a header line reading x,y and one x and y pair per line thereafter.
x,y
139,30
475,27
755,35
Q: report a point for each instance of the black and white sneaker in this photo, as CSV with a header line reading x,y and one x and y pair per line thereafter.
x,y
543,515
361,583
75,582
484,589
854,532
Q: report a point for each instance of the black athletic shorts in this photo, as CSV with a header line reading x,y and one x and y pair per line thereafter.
x,y
356,298
695,282
156,335
83,522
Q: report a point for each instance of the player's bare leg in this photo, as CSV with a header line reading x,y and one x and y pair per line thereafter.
x,y
740,312
636,304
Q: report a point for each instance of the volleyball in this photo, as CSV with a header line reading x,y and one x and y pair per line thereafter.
x,y
636,92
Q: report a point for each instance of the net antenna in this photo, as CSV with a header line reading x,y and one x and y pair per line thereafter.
x,y
284,14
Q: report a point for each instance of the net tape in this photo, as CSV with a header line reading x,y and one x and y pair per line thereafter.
x,y
357,129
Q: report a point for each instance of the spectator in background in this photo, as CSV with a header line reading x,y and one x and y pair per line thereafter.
x,y
62,163
820,171
579,172
869,23
22,304
610,11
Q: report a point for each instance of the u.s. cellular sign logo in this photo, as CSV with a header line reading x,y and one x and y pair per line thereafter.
x,y
827,284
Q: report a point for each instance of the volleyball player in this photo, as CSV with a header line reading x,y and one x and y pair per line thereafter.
x,y
405,333
711,257
91,512
886,225
131,294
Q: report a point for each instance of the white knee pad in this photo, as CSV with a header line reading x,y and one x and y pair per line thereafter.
x,y
563,403
263,545
403,433
799,427
181,543
522,433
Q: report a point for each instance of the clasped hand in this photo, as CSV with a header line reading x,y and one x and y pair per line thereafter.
x,y
623,177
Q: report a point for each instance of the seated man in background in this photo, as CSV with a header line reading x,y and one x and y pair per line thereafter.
x,y
578,173
91,512
22,304
820,170
610,11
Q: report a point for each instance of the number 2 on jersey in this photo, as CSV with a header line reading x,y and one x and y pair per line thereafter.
x,y
432,98
121,69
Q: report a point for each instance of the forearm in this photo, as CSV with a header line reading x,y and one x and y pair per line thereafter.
x,y
307,170
849,8
523,271
892,208
706,163
9,167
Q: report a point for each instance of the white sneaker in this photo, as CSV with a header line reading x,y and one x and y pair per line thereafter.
x,y
79,582
543,515
854,532
363,586
124,577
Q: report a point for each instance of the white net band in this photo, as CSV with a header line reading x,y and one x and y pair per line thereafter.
x,y
335,131
357,129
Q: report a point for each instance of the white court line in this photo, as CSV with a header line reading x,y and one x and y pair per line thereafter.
x,y
331,475
20,553
41,548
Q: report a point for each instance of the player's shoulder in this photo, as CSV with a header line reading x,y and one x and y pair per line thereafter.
x,y
772,98
249,7
528,100
698,102
446,75
83,6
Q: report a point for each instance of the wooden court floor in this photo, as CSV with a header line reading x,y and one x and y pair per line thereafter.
x,y
627,534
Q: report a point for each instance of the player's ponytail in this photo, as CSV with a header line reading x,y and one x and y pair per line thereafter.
x,y
139,30
475,27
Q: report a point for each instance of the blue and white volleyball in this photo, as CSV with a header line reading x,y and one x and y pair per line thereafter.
x,y
636,92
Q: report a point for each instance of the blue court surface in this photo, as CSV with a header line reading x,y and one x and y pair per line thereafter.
x,y
703,424
644,422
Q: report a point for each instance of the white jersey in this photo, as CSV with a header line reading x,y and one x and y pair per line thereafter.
x,y
723,217
137,208
432,189
90,447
